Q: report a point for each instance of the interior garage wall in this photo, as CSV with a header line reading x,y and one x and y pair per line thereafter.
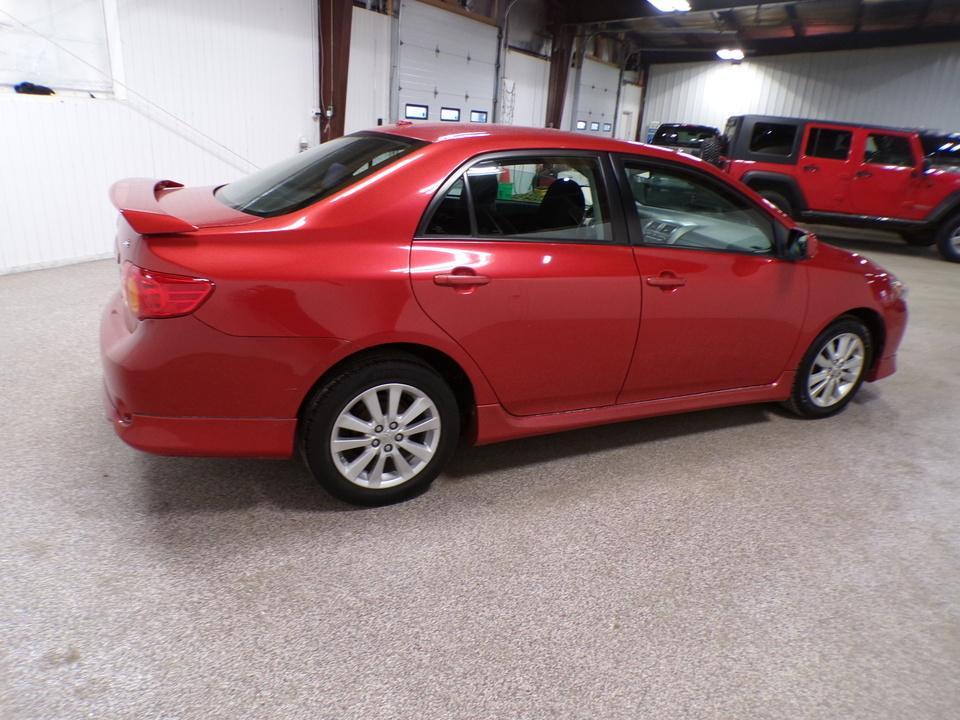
x,y
217,88
524,92
630,97
445,60
911,86
368,78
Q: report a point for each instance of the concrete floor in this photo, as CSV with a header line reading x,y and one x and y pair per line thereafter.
x,y
726,564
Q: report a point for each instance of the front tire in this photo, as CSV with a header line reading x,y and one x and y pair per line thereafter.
x,y
380,432
832,370
948,239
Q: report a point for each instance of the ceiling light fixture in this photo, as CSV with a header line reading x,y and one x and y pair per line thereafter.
x,y
735,54
671,5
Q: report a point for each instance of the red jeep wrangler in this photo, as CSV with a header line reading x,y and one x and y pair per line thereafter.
x,y
842,174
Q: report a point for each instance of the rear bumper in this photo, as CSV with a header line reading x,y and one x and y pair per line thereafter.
x,y
203,436
179,387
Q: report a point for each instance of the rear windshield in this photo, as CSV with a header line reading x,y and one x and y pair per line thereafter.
x,y
683,136
314,174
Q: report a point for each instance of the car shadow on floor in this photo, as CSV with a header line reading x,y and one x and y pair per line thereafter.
x,y
179,485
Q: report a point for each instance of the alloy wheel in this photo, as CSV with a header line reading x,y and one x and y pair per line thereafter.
x,y
385,436
836,369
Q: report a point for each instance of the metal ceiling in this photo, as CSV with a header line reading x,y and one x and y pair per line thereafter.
x,y
764,28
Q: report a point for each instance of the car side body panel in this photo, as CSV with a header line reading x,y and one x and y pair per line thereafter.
x,y
295,295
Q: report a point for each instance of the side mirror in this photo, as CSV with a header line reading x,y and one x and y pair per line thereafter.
x,y
800,245
926,165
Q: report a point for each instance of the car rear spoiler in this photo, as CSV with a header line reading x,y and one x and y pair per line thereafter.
x,y
136,199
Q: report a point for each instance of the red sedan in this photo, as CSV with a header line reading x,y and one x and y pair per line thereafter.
x,y
373,300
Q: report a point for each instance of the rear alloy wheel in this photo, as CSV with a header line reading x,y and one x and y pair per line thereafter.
x,y
948,239
381,432
832,370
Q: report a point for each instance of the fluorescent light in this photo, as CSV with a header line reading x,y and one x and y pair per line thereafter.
x,y
730,54
671,5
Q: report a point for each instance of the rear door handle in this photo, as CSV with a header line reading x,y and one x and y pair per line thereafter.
x,y
863,174
458,280
666,281
810,168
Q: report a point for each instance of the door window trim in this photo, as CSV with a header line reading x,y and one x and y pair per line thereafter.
x,y
620,160
608,177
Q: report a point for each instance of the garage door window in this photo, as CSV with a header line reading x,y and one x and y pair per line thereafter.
x,y
679,210
772,138
541,198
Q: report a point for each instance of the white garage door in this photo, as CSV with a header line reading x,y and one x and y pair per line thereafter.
x,y
446,65
597,104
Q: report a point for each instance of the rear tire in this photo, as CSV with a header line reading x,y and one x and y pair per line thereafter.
x,y
832,370
948,239
780,201
381,431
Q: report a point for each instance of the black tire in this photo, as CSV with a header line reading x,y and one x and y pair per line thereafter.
x,y
710,151
778,200
343,391
919,239
948,239
801,401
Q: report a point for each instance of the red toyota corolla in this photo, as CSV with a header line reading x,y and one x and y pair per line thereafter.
x,y
373,300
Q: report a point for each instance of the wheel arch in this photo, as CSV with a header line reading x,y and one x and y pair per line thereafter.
x,y
876,327
758,180
442,363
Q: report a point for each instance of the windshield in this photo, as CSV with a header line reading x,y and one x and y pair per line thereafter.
x,y
942,149
314,174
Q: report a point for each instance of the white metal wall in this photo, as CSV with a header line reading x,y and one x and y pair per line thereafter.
x,y
913,86
368,78
524,94
445,60
231,76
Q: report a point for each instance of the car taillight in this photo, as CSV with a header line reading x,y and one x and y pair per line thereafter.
x,y
151,294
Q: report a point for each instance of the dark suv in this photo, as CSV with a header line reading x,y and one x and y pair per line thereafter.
x,y
843,174
701,141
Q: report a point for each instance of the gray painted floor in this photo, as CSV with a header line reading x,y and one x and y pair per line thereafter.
x,y
726,564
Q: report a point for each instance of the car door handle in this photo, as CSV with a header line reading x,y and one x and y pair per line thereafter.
x,y
460,279
810,168
667,281
863,174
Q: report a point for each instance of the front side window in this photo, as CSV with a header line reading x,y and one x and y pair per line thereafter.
x,y
314,174
535,198
683,211
888,150
772,138
828,143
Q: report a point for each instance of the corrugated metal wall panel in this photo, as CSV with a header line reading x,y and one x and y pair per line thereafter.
x,y
915,86
368,79
524,93
241,71
445,60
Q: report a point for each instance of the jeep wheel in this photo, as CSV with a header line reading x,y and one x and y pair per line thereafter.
x,y
948,239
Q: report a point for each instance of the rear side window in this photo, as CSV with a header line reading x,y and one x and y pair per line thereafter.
x,y
888,150
828,143
535,198
772,138
314,174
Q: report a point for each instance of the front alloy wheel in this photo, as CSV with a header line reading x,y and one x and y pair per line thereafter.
x,y
836,370
832,370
